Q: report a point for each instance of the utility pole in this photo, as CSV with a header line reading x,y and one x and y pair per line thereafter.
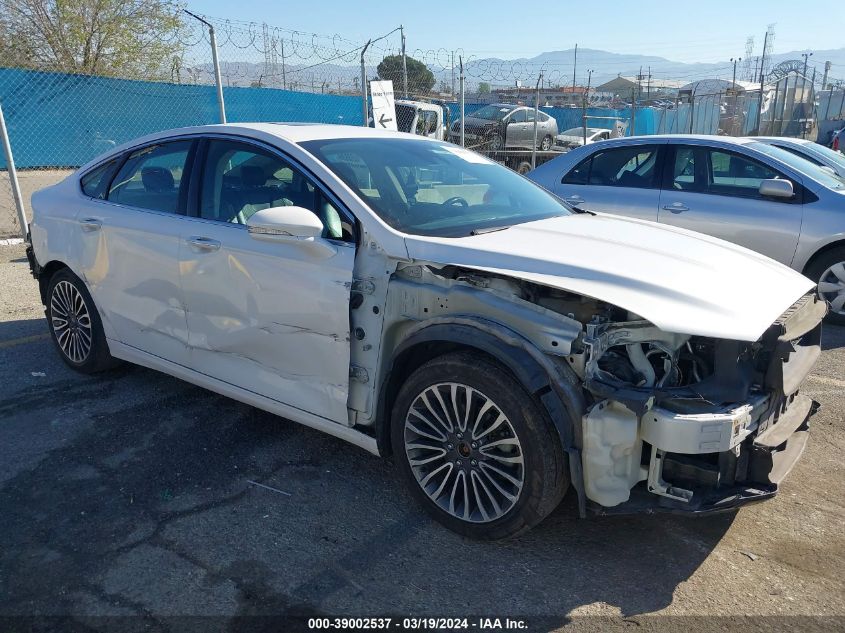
x,y
648,84
824,77
760,108
218,79
463,112
453,74
404,63
805,56
640,83
633,112
574,66
584,108
536,117
284,79
365,109
733,87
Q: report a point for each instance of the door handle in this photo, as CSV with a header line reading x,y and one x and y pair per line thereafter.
x,y
205,244
91,224
676,207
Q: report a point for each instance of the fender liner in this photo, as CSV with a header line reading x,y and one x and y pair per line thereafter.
x,y
549,380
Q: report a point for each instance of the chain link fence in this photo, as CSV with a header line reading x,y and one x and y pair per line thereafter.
x,y
59,120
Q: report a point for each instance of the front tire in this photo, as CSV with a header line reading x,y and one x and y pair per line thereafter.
x,y
75,325
828,271
497,143
475,449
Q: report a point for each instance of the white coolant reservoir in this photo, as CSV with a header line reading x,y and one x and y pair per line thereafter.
x,y
611,453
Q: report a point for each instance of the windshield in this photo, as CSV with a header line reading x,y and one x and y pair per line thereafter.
x,y
821,176
491,113
825,154
432,188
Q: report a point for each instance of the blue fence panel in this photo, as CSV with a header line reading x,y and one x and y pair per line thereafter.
x,y
64,120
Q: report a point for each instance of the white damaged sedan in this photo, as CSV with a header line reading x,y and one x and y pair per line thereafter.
x,y
419,300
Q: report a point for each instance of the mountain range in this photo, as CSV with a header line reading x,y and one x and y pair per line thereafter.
x,y
557,67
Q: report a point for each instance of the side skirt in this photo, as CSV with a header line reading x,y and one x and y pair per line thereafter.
x,y
138,357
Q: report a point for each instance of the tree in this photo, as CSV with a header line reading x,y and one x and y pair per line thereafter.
x,y
483,88
125,38
420,78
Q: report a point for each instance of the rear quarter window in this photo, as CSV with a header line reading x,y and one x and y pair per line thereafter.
x,y
94,182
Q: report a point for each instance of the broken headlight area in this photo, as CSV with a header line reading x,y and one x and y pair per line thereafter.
x,y
690,423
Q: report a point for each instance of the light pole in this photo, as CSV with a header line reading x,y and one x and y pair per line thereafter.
x,y
584,109
733,87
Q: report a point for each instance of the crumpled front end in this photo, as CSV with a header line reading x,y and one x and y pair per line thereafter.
x,y
694,424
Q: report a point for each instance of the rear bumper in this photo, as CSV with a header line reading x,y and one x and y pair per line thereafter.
x,y
34,267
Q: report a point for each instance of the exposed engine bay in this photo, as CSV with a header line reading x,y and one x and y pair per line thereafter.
x,y
672,421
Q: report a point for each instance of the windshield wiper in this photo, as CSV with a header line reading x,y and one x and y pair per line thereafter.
x,y
580,210
491,229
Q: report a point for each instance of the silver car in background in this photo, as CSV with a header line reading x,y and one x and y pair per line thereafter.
x,y
574,137
739,189
501,126
808,150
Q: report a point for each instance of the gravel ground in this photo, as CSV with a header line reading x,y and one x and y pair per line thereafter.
x,y
130,494
30,180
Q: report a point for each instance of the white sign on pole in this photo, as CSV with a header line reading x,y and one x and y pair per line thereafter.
x,y
384,109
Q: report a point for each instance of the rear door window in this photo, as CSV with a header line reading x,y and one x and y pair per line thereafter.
x,y
624,167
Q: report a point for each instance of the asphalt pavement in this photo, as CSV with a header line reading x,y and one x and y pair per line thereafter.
x,y
134,494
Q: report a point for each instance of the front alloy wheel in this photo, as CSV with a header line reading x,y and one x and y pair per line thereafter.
x,y
463,452
475,448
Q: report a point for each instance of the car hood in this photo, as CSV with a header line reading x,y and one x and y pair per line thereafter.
x,y
681,281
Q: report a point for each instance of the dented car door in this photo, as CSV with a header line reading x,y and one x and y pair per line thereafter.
x,y
269,317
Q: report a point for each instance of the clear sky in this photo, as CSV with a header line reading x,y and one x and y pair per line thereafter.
x,y
703,31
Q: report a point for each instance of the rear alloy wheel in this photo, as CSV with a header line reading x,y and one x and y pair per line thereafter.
x,y
829,273
475,448
75,325
546,143
497,143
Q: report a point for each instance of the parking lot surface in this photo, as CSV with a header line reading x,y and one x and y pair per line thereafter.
x,y
131,493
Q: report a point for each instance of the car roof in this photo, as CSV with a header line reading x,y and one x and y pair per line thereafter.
x,y
781,139
293,132
734,140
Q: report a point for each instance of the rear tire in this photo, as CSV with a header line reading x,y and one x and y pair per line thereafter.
x,y
828,271
523,168
75,325
475,449
546,143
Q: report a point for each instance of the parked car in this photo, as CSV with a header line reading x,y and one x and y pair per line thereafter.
x,y
415,298
574,137
502,126
741,190
808,150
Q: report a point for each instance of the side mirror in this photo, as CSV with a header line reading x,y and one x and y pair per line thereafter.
x,y
776,188
292,225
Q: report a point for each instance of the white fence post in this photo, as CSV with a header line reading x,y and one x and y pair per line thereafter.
x,y
13,176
